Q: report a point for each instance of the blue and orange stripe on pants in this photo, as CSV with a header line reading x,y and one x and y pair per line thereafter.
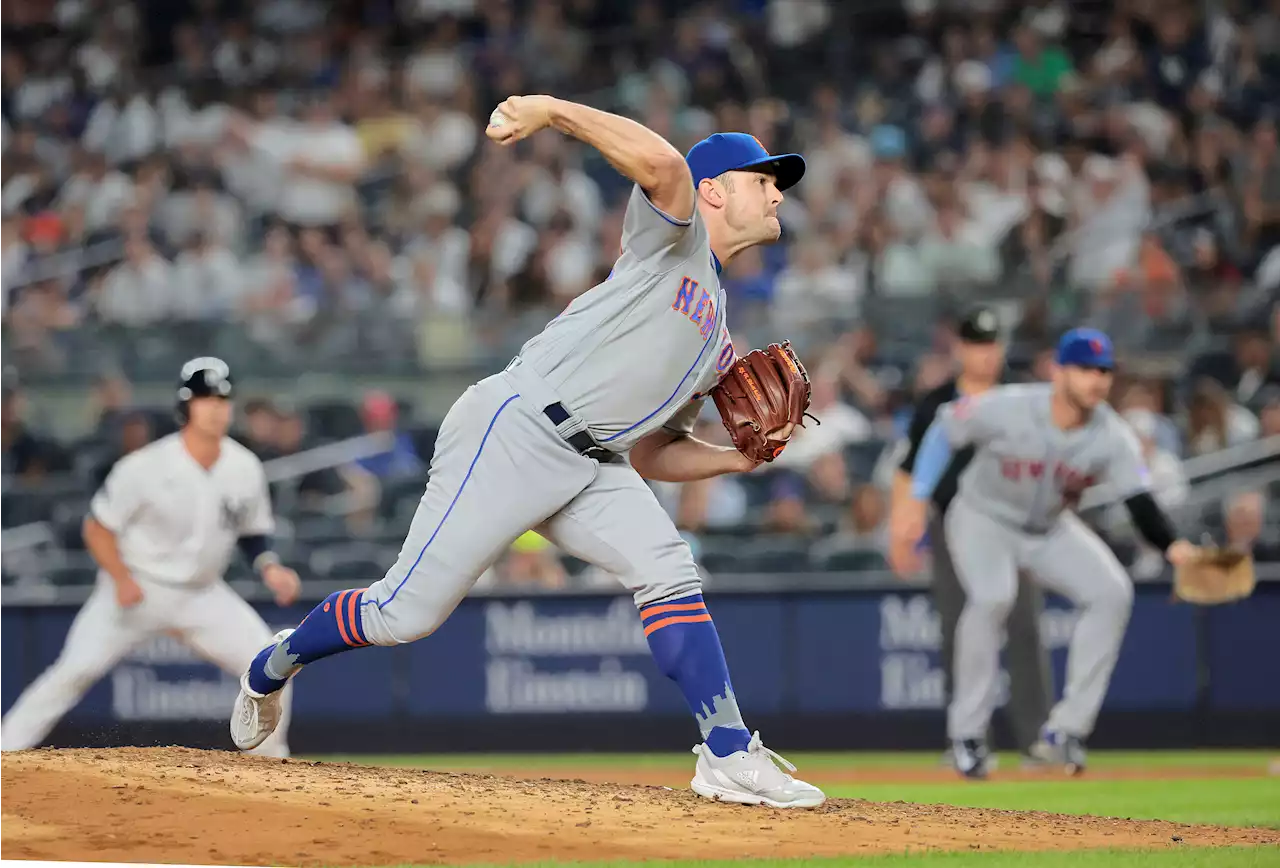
x,y
346,611
687,610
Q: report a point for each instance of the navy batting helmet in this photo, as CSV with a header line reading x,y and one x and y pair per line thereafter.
x,y
205,377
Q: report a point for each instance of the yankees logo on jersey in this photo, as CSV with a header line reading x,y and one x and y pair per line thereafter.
x,y
234,514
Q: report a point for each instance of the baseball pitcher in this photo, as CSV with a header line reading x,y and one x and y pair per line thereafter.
x,y
562,440
1037,448
162,529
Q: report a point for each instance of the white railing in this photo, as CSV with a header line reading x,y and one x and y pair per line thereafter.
x,y
1199,468
329,455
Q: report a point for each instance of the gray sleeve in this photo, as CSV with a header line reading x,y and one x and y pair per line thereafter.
x,y
975,420
1126,470
657,240
684,419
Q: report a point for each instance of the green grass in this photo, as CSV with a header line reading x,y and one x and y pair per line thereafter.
x,y
1217,801
1226,801
1231,801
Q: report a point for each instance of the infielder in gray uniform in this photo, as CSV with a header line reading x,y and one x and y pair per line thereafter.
x,y
562,440
1037,448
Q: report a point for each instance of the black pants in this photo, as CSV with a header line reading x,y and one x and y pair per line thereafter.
x,y
1030,678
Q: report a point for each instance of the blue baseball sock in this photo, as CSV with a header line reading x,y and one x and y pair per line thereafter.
x,y
686,647
336,625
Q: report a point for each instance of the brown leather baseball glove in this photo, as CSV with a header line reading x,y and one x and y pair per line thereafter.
x,y
1216,576
761,400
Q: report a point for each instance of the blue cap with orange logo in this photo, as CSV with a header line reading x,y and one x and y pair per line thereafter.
x,y
1086,348
740,152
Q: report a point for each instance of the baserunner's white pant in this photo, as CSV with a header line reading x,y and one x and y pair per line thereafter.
x,y
213,620
1071,560
500,469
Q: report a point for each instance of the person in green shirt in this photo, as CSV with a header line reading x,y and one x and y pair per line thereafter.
x,y
1039,67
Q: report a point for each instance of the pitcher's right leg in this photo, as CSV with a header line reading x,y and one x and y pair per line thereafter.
x,y
499,469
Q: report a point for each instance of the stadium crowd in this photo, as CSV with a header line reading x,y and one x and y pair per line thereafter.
x,y
310,181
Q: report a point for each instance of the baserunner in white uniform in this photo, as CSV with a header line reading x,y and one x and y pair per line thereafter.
x,y
563,439
1038,447
162,530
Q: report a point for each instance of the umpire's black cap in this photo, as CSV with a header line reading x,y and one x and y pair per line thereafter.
x,y
980,325
204,377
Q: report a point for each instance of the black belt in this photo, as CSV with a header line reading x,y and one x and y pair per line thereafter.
x,y
583,442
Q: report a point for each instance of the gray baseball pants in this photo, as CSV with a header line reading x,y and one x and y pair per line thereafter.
x,y
1027,660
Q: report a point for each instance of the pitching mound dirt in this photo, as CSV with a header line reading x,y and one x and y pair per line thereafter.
x,y
180,805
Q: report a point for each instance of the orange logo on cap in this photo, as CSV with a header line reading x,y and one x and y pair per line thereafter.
x,y
1095,345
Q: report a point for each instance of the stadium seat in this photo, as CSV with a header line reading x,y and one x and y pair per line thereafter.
x,y
319,528
333,420
858,560
358,562
861,459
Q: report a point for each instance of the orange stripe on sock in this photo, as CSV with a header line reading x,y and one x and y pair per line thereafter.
x,y
351,616
680,619
673,607
338,616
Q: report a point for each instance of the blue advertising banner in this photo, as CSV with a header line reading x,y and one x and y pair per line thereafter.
x,y
815,653
1244,654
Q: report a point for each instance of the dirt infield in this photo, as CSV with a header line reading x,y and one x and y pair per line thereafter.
x,y
180,805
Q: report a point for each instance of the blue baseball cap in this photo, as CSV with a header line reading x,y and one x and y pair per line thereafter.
x,y
1086,348
740,152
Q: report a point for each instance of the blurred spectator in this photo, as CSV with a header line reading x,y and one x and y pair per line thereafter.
x,y
1246,528
207,280
1252,365
1109,214
310,178
260,429
134,433
1216,422
20,445
321,159
1140,397
139,291
112,394
862,527
815,289
379,413
787,511
331,490
531,564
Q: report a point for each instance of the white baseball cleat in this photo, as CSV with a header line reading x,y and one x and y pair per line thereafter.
x,y
752,777
255,716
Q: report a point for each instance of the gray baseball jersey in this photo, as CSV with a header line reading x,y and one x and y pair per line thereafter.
x,y
636,352
629,356
1026,470
1013,512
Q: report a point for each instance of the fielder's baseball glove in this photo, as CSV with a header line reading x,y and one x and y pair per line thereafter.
x,y
763,392
1218,575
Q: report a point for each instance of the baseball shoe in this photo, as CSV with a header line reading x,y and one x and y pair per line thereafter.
x,y
1030,762
752,777
948,760
1060,749
255,716
971,758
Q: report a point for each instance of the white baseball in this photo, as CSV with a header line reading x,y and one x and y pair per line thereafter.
x,y
497,118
